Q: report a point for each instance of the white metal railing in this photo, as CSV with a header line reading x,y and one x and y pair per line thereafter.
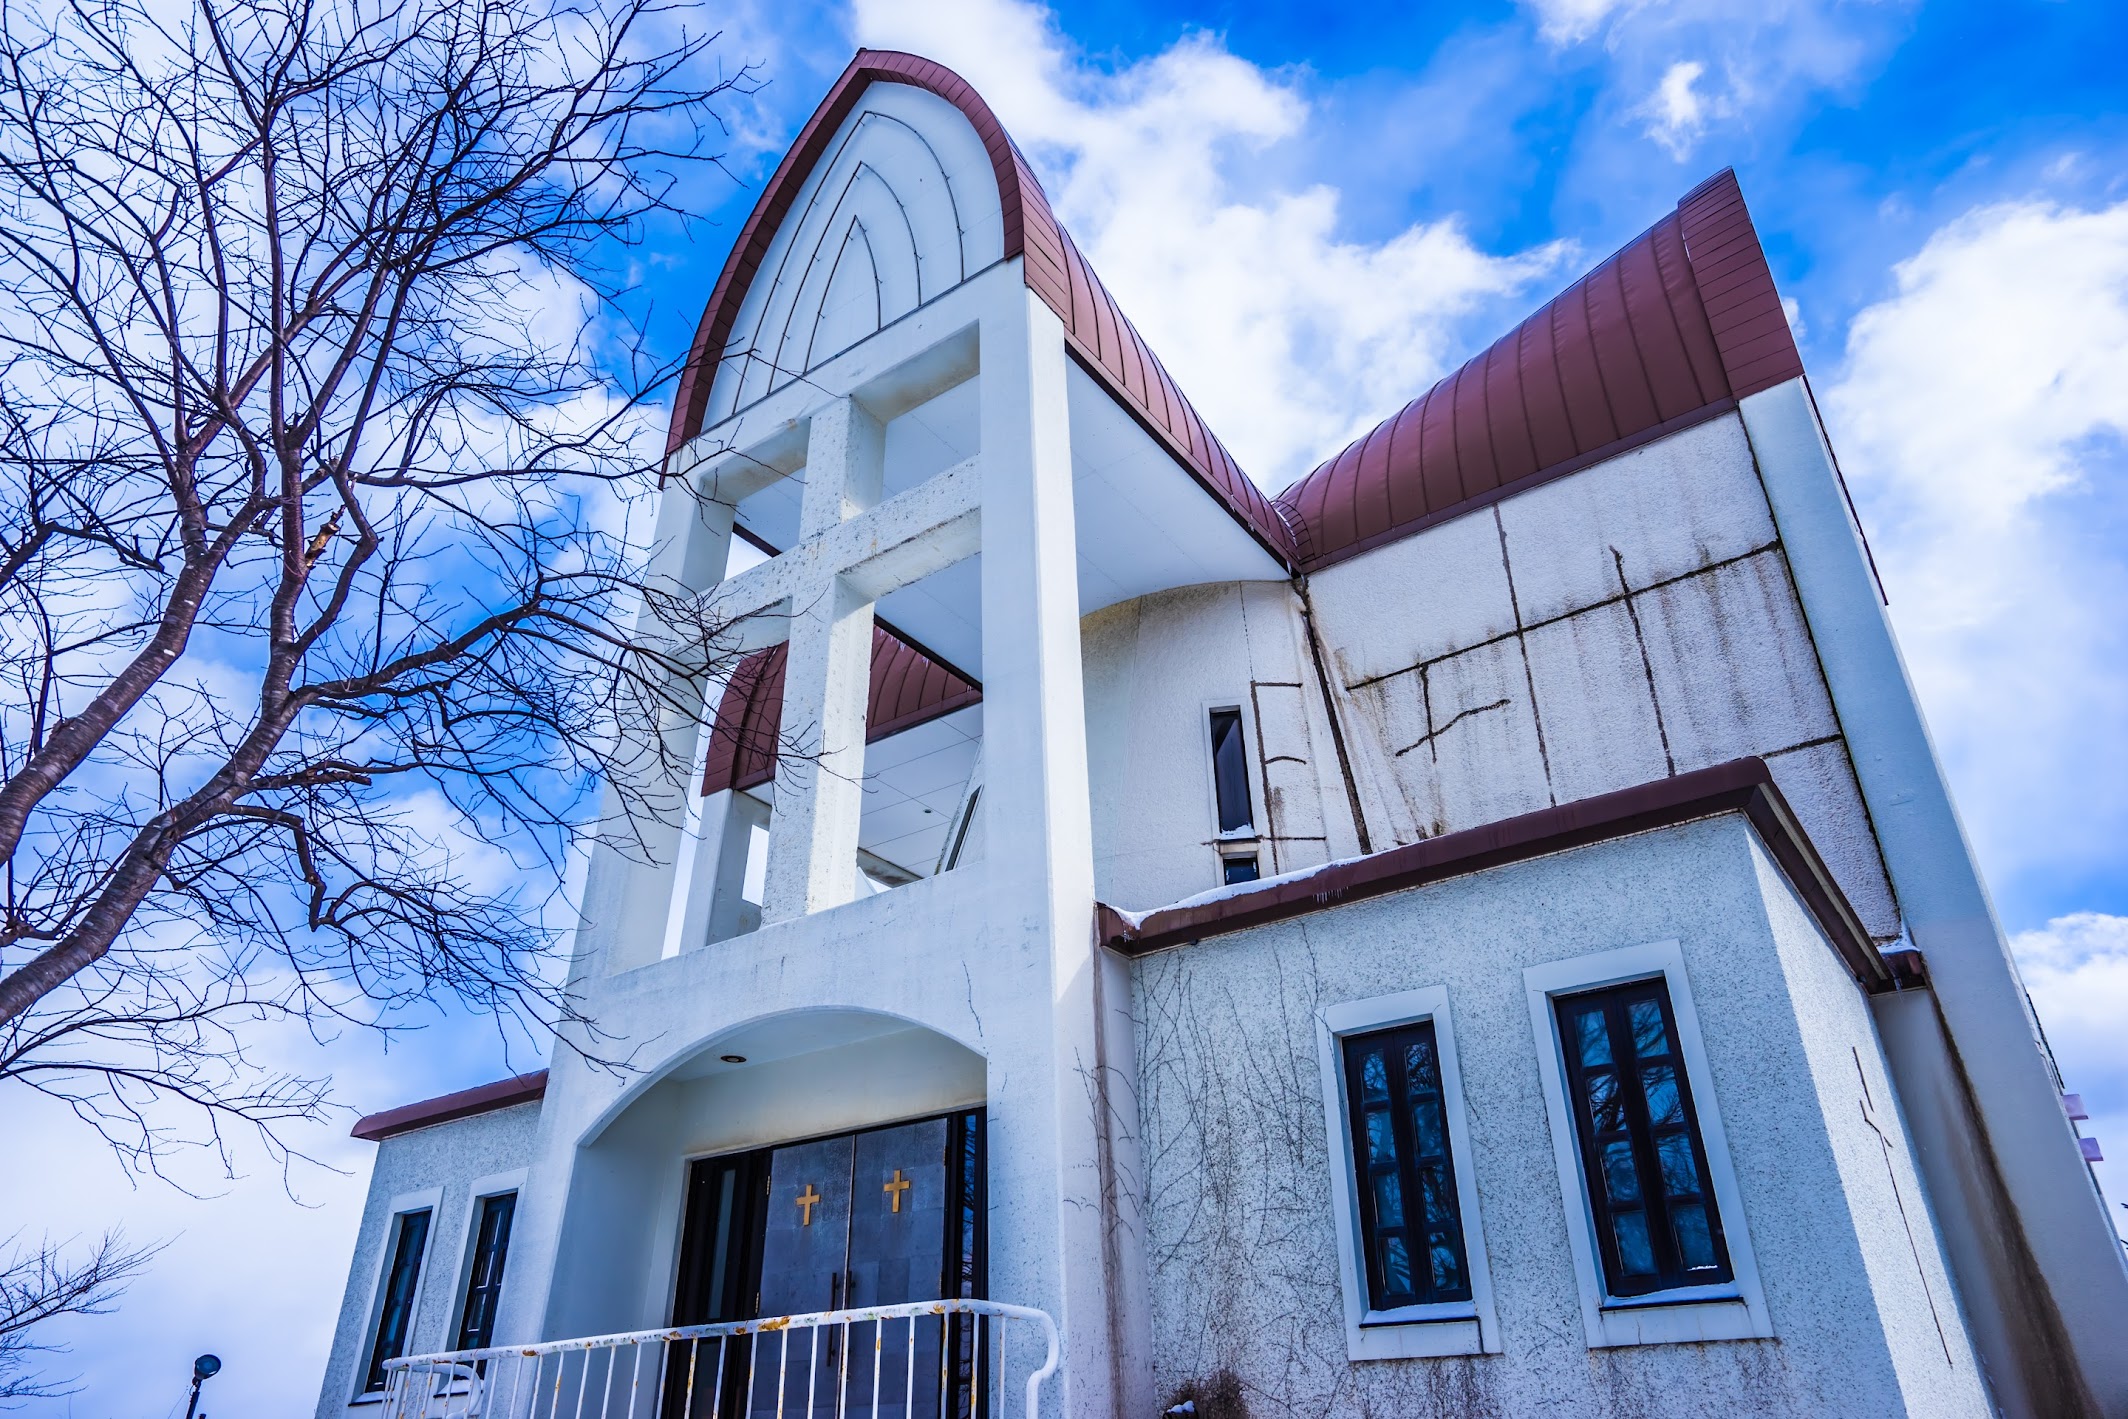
x,y
853,1364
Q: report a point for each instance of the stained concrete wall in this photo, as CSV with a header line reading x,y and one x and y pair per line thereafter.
x,y
1632,621
1246,1291
449,1161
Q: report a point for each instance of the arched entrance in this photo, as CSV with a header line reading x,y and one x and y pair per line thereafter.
x,y
740,1181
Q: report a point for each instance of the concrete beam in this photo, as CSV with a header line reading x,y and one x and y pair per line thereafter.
x,y
903,539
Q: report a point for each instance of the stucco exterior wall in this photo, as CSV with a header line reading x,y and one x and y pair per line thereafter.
x,y
447,1162
1154,667
1243,1249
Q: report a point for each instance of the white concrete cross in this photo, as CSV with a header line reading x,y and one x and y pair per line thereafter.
x,y
852,549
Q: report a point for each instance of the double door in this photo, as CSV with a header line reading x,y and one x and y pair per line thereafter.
x,y
864,1219
856,1221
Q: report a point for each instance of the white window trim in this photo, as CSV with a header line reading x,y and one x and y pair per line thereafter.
x,y
494,1185
1413,1332
1736,1311
365,1339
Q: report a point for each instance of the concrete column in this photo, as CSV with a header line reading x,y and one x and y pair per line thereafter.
x,y
845,462
2082,1306
1039,856
812,841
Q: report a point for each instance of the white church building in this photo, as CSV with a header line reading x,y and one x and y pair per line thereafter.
x,y
1481,932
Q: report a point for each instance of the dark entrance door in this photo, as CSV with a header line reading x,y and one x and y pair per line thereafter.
x,y
866,1219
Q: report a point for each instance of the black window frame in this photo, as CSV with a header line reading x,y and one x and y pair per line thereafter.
x,y
398,1290
1410,1165
485,1268
1233,805
1659,1208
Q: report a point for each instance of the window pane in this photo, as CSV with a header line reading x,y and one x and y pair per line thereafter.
x,y
1236,870
1649,1036
1635,1256
1381,1140
1621,1179
1419,1071
1606,1113
1680,1175
1426,1128
1388,1201
1658,1084
1594,1040
1230,771
1694,1244
1396,1267
1440,1210
1447,1265
1374,1077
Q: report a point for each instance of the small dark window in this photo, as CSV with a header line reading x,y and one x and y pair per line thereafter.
x,y
1410,1221
1642,1159
1230,772
1239,869
491,1248
395,1316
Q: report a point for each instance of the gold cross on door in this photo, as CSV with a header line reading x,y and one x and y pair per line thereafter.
x,y
896,1188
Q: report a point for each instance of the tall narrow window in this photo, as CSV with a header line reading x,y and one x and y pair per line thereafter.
x,y
395,1315
491,1248
1230,772
1643,1160
1409,1217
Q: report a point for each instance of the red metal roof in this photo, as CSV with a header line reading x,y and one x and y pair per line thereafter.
x,y
486,1098
1672,330
908,688
1106,344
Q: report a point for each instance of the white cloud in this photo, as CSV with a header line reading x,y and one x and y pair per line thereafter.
x,y
2076,969
1981,418
1677,112
1289,335
1661,60
1571,21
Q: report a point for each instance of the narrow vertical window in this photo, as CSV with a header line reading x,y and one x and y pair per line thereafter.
x,y
491,1248
1643,1161
395,1314
1230,772
1410,1219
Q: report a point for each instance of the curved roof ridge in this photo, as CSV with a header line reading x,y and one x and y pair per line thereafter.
x,y
1102,339
1670,330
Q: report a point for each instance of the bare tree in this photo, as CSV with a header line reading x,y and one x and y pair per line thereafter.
x,y
324,402
38,1285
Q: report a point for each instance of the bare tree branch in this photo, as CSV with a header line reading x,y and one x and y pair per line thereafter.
x,y
38,1285
324,413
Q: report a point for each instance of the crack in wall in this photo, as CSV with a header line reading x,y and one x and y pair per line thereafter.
x,y
1427,739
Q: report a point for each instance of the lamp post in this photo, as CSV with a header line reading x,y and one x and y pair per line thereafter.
x,y
206,1367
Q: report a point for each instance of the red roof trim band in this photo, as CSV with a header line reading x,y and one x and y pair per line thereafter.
x,y
486,1098
1741,785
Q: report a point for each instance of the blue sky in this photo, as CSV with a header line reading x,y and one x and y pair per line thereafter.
x,y
1314,212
